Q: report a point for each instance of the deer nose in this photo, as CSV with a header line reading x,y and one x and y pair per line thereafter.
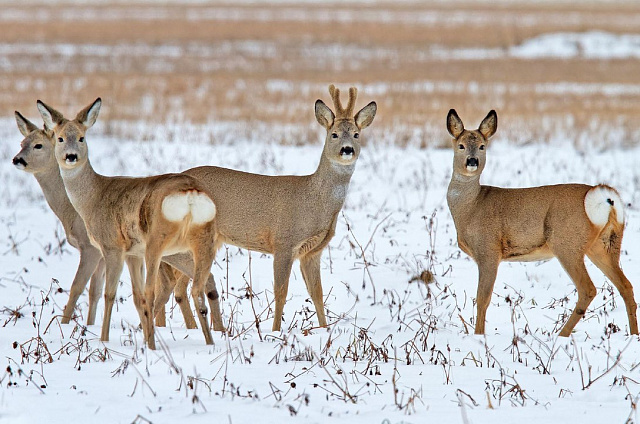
x,y
71,157
17,161
472,161
346,150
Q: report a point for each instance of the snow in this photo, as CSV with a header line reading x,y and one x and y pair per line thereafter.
x,y
53,58
590,45
385,330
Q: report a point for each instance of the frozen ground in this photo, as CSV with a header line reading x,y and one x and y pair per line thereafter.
x,y
396,350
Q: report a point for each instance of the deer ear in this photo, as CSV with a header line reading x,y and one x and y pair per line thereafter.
x,y
454,124
364,118
489,125
89,114
324,115
50,116
24,125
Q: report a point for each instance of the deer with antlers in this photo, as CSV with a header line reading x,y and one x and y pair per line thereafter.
x,y
36,157
145,218
566,221
292,217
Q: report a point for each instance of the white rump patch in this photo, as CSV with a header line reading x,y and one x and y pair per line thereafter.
x,y
597,204
176,207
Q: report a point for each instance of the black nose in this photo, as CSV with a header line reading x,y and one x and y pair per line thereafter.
x,y
18,160
71,157
472,161
346,150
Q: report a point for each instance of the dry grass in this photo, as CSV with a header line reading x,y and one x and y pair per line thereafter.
x,y
268,64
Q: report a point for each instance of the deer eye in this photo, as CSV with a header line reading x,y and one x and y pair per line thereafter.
x,y
461,146
334,135
60,140
38,146
356,135
482,147
81,140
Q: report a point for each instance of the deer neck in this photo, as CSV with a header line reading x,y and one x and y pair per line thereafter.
x,y
82,187
331,181
52,186
462,194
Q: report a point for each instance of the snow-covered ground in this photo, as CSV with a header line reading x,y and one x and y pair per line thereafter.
x,y
396,351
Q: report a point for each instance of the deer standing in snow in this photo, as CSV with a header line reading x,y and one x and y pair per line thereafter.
x,y
36,157
566,221
291,217
145,218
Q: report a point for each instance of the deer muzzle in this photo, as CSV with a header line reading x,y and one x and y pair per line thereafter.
x,y
19,163
472,164
347,151
71,158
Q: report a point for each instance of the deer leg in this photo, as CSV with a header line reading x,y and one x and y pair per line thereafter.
x,y
310,268
214,303
282,263
166,284
96,289
114,261
184,263
203,259
609,264
136,272
182,299
574,266
169,282
152,260
89,258
487,272
161,316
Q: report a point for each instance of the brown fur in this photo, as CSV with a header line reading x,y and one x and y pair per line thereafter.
x,y
497,224
117,223
273,214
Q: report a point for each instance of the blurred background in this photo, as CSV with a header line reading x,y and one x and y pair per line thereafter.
x,y
556,71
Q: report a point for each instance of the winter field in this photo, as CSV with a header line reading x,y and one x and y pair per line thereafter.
x,y
397,349
233,84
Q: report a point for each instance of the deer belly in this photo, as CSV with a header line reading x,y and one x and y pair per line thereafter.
x,y
175,248
530,254
261,241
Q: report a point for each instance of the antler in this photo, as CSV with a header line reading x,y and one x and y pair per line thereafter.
x,y
342,112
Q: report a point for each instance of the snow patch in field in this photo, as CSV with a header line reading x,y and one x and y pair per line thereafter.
x,y
588,45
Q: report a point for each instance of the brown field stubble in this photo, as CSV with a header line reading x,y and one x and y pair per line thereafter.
x,y
254,64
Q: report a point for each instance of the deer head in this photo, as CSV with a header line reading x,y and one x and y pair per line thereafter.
x,y
70,149
469,146
36,153
342,145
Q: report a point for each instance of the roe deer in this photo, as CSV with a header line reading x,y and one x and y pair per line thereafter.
x,y
566,221
36,157
291,217
135,217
